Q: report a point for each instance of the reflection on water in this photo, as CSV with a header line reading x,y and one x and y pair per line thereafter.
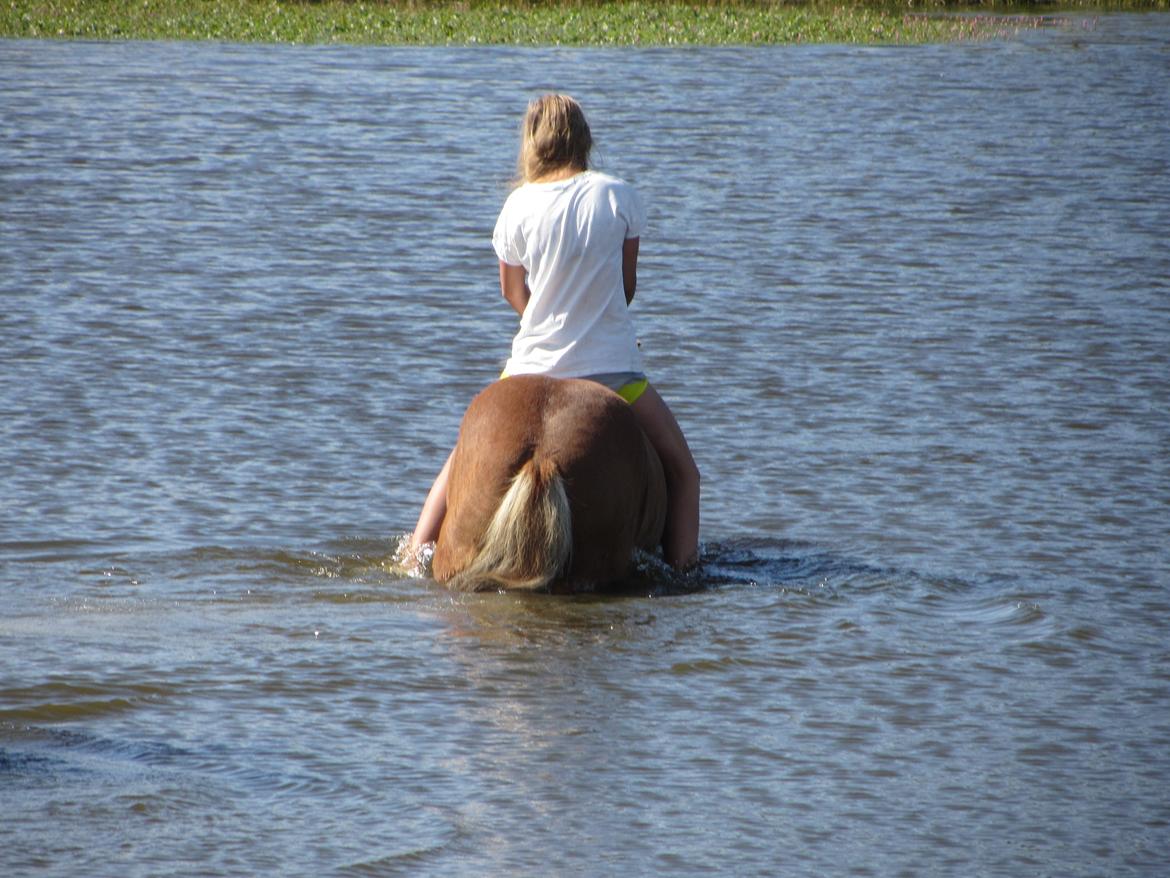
x,y
910,306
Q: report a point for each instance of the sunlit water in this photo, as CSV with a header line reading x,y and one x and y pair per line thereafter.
x,y
911,307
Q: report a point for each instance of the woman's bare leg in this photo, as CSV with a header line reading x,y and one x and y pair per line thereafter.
x,y
680,539
433,512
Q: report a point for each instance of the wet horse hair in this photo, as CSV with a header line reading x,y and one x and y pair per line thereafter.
x,y
529,541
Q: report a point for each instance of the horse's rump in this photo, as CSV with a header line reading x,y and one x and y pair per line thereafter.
x,y
552,481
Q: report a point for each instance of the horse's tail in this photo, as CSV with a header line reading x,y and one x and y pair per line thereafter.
x,y
529,541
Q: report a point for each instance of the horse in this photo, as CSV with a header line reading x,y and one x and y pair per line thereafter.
x,y
553,485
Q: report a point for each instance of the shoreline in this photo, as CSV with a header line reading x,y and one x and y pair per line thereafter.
x,y
643,23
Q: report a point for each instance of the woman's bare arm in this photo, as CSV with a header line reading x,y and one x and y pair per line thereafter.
x,y
630,267
514,286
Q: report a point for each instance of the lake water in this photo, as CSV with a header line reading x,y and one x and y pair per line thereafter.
x,y
910,305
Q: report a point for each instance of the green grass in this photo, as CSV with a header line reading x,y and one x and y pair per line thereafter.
x,y
642,23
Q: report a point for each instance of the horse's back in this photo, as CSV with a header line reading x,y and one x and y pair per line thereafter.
x,y
575,430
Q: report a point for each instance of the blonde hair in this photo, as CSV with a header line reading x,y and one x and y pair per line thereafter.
x,y
553,136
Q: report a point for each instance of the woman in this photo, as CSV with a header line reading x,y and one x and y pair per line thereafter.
x,y
567,242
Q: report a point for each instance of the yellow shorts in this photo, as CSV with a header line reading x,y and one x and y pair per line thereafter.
x,y
631,390
628,385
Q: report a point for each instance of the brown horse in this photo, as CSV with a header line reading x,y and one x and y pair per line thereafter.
x,y
553,485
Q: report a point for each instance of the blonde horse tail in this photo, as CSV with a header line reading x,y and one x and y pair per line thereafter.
x,y
529,541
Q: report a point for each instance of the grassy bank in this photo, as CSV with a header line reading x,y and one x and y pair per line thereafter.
x,y
530,23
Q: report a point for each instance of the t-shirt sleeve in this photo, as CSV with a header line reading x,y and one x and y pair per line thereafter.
x,y
506,239
634,211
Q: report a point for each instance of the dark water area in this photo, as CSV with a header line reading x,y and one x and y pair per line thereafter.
x,y
910,305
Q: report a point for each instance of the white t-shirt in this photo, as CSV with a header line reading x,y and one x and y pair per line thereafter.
x,y
568,235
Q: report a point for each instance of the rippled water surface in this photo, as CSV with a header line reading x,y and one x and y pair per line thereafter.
x,y
911,307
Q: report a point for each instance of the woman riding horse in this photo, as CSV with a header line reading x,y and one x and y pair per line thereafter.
x,y
567,240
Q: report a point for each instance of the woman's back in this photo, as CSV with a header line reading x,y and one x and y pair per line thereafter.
x,y
568,235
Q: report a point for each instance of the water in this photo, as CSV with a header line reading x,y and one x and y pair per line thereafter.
x,y
910,306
